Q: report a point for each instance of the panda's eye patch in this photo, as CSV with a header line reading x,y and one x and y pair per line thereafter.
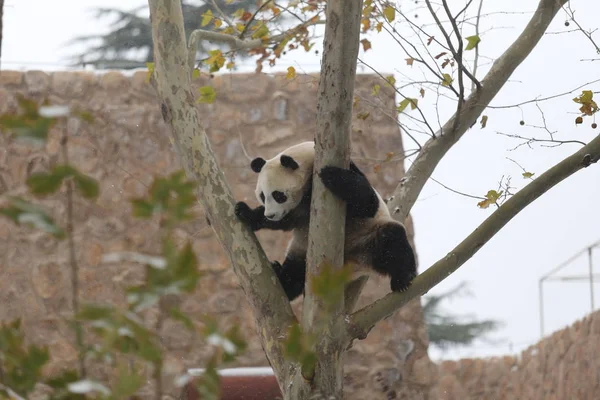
x,y
279,197
262,197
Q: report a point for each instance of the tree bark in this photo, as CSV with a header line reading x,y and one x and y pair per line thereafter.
x,y
327,217
172,81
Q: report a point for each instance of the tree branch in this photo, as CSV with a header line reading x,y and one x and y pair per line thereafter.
x,y
328,212
409,188
236,43
363,320
172,81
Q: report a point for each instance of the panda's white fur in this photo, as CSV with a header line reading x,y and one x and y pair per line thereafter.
x,y
373,238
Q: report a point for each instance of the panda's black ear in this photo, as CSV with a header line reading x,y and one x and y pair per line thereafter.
x,y
288,162
257,164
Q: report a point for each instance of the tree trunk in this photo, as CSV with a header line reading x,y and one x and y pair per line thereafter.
x,y
327,224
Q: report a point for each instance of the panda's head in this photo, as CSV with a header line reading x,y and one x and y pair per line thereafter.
x,y
282,180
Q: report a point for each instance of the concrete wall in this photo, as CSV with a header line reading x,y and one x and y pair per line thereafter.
x,y
126,146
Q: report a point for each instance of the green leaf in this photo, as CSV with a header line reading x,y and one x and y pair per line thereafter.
x,y
207,94
127,383
472,42
142,208
180,316
329,283
44,183
195,73
22,212
21,365
88,186
29,126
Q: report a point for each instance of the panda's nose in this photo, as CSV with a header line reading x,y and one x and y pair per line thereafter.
x,y
270,216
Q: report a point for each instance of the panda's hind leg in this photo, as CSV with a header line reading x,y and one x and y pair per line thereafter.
x,y
394,256
292,275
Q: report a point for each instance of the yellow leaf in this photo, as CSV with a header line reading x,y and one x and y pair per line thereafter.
x,y
195,73
215,61
375,90
389,13
291,73
240,27
230,65
260,32
366,24
355,102
447,80
150,71
218,23
366,44
491,197
391,80
228,30
405,103
363,115
528,175
484,119
207,94
206,18
472,42
379,26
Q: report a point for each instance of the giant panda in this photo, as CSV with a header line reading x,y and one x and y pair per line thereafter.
x,y
373,239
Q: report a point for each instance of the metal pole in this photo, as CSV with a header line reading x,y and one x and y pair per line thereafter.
x,y
541,300
591,277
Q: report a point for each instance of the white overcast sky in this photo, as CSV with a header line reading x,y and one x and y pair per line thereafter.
x,y
504,274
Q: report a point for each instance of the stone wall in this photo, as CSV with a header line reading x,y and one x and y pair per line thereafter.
x,y
562,366
127,145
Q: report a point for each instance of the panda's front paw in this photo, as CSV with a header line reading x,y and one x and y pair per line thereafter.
x,y
243,211
338,180
249,216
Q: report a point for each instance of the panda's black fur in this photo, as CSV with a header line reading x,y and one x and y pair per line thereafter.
x,y
373,238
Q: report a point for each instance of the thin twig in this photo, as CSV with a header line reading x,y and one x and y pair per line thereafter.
x,y
223,15
456,191
73,257
251,20
476,59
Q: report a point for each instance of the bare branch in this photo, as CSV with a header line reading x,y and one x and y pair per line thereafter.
x,y
363,320
223,15
476,59
434,149
172,80
253,17
236,44
588,35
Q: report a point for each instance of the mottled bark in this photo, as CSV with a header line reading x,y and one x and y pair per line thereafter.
x,y
327,223
173,84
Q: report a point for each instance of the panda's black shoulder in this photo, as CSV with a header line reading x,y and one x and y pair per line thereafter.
x,y
354,168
